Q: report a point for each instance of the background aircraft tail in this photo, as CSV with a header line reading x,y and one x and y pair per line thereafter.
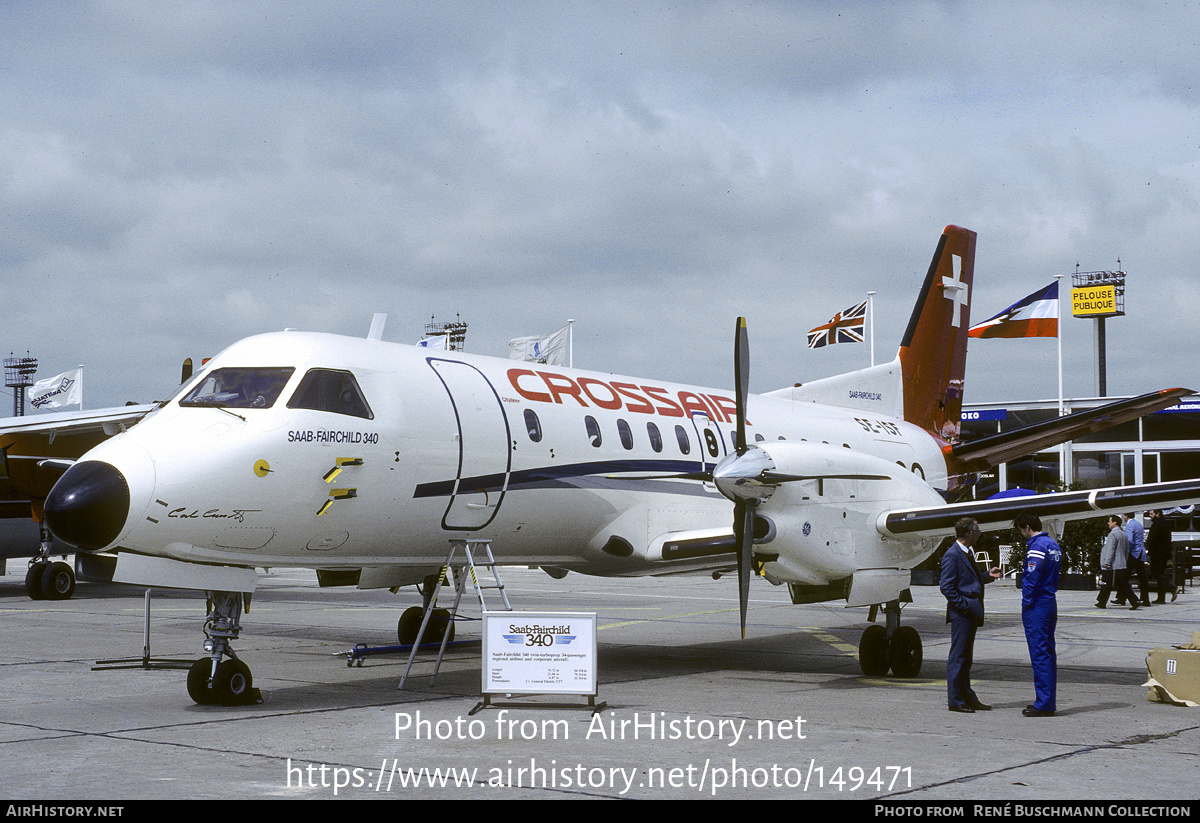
x,y
933,353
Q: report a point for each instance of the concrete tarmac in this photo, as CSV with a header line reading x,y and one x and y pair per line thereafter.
x,y
693,712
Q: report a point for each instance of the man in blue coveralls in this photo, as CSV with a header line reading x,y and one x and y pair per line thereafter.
x,y
1039,610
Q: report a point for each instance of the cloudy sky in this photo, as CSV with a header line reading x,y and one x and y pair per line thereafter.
x,y
178,175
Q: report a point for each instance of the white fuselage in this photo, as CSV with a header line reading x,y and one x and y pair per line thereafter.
x,y
558,467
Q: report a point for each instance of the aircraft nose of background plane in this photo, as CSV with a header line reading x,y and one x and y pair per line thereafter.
x,y
88,505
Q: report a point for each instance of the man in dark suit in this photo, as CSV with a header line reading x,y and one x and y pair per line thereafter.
x,y
962,584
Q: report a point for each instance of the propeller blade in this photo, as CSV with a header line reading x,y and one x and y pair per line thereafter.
x,y
743,527
779,477
741,379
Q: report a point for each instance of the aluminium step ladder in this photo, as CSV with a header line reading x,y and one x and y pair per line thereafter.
x,y
458,570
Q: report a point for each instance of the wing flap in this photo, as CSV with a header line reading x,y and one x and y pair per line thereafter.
x,y
938,521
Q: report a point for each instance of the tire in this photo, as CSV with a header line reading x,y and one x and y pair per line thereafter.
x,y
440,624
409,625
197,682
904,652
232,684
58,581
873,651
33,581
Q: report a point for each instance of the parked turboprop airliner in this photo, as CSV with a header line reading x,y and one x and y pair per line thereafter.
x,y
346,454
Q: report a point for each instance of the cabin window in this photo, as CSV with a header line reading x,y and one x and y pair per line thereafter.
x,y
655,437
625,433
240,388
681,435
593,430
533,426
714,448
331,390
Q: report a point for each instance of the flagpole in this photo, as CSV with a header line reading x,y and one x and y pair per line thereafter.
x,y
871,322
1068,461
1058,281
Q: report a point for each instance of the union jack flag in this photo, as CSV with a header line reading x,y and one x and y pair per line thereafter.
x,y
845,327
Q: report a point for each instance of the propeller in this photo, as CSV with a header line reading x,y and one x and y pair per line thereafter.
x,y
743,509
748,476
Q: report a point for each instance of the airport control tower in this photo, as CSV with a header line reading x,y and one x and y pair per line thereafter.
x,y
18,376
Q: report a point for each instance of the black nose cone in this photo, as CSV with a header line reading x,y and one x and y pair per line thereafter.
x,y
88,505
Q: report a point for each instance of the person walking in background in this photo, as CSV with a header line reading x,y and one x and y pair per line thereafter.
x,y
1114,569
1158,545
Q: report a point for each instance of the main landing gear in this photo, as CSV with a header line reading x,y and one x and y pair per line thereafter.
x,y
895,647
46,579
221,678
440,620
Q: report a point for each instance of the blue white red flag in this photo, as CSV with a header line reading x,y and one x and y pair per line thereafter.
x,y
845,327
1035,316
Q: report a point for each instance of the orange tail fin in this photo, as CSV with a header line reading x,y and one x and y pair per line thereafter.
x,y
933,354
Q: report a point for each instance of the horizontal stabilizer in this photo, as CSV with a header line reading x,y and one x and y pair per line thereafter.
x,y
997,513
1000,448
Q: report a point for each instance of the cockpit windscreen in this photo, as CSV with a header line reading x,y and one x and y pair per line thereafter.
x,y
239,388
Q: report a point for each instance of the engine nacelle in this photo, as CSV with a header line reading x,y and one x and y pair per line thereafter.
x,y
823,512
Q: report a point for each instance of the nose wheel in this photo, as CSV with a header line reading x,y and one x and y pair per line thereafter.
x,y
229,683
221,679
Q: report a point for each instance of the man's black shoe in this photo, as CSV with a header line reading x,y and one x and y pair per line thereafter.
x,y
1030,711
963,709
980,707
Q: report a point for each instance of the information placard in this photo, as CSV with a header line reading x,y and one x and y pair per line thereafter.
x,y
539,652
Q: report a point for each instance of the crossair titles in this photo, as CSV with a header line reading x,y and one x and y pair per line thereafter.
x,y
590,392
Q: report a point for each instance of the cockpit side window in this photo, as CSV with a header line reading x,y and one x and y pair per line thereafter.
x,y
239,388
331,391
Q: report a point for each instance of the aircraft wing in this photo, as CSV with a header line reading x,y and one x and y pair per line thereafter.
x,y
97,421
36,449
997,513
1000,448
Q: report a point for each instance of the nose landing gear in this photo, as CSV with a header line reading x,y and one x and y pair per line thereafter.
x,y
221,678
